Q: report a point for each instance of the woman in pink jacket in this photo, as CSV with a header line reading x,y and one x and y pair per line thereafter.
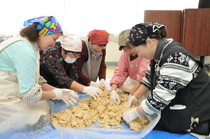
x,y
130,71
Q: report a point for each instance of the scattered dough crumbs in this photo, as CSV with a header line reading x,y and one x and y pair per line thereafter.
x,y
89,111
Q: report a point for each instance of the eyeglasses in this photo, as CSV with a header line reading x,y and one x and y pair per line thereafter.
x,y
102,45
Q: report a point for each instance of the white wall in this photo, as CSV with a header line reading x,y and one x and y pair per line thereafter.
x,y
113,54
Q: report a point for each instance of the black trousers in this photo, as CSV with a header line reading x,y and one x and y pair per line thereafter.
x,y
202,129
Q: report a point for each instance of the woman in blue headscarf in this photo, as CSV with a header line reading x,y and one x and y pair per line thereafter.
x,y
21,86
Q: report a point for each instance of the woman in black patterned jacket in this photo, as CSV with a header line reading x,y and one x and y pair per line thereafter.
x,y
179,86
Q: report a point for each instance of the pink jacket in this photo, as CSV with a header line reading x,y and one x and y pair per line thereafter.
x,y
135,69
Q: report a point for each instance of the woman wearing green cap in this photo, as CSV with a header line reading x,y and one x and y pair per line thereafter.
x,y
21,86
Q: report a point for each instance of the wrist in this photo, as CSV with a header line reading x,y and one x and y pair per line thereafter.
x,y
89,83
135,95
58,93
114,86
133,99
131,93
113,91
53,95
139,110
83,89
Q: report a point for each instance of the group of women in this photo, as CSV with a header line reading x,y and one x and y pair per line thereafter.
x,y
35,68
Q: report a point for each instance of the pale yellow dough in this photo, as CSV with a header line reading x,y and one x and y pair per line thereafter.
x,y
89,111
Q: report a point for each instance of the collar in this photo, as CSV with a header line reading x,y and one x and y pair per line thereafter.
x,y
95,54
37,47
162,44
133,57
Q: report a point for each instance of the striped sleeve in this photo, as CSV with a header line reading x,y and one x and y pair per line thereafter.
x,y
175,74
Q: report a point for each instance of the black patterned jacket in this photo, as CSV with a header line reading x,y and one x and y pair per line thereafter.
x,y
55,70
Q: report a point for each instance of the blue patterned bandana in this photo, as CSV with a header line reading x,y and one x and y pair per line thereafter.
x,y
47,25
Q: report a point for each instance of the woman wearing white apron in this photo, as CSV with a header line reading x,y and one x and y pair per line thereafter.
x,y
91,65
21,86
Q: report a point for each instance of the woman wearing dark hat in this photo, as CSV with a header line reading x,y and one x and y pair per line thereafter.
x,y
179,85
129,72
91,64
23,92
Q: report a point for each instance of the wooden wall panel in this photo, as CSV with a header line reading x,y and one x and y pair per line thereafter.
x,y
172,19
196,31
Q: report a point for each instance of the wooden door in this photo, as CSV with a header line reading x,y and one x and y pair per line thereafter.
x,y
196,31
172,19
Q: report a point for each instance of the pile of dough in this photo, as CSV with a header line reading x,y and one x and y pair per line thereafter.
x,y
139,124
90,111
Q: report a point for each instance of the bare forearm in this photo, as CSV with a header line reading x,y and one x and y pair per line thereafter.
x,y
47,95
77,87
47,87
140,110
47,92
135,87
140,91
114,86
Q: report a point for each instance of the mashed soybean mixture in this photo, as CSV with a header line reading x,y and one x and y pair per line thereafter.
x,y
89,111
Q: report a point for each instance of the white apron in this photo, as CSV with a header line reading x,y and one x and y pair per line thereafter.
x,y
128,85
92,66
14,111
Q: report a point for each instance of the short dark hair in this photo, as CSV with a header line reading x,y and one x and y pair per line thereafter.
x,y
30,32
121,47
126,45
